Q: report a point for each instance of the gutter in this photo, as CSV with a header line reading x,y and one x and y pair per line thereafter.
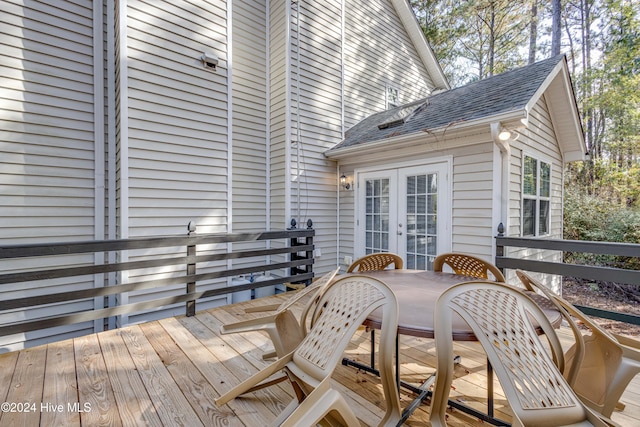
x,y
393,142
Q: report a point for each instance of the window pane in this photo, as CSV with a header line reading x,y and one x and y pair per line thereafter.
x,y
369,185
529,176
422,184
528,217
545,179
543,227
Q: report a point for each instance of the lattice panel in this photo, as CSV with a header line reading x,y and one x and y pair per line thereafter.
x,y
511,337
342,315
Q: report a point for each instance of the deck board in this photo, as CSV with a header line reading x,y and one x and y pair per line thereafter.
x,y
60,385
168,372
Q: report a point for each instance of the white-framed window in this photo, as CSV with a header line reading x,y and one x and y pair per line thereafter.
x,y
392,97
536,197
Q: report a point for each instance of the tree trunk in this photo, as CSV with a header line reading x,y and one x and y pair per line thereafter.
x,y
556,27
533,31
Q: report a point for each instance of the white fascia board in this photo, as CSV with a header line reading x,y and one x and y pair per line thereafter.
x,y
421,44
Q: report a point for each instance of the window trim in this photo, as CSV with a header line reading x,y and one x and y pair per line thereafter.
x,y
388,88
537,197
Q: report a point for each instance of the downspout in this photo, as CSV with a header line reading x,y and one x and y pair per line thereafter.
x,y
342,127
287,120
505,173
111,149
99,150
229,128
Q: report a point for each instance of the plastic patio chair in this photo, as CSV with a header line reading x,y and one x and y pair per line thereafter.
x,y
500,316
601,363
285,331
375,262
468,265
344,305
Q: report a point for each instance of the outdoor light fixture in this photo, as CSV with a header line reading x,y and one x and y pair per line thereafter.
x,y
209,61
504,135
344,182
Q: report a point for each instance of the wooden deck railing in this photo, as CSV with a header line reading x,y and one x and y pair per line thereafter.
x,y
620,276
295,245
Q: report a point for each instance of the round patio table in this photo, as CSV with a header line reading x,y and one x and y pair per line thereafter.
x,y
417,292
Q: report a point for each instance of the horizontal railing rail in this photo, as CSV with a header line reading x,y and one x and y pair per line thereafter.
x,y
296,245
620,276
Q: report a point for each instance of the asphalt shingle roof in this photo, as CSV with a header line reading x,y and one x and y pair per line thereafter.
x,y
499,94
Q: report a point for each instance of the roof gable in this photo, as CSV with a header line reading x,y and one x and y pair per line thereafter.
x,y
511,93
420,42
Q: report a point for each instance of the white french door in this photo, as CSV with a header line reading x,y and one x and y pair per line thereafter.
x,y
406,211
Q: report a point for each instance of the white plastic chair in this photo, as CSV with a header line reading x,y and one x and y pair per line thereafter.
x,y
600,364
343,307
285,331
499,315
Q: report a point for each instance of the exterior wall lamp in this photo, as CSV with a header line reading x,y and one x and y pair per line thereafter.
x,y
504,134
345,183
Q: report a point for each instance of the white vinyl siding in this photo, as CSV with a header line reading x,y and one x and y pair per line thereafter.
x,y
316,120
177,118
279,115
173,158
538,141
473,201
47,151
249,116
378,53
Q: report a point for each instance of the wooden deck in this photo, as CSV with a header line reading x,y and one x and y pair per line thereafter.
x,y
167,373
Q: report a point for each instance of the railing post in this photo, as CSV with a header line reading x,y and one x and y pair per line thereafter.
x,y
499,246
191,270
308,254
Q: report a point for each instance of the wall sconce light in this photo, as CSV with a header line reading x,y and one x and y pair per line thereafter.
x,y
209,61
345,183
504,135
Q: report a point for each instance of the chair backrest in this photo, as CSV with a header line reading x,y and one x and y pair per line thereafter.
x,y
375,262
500,316
468,265
594,360
342,308
315,286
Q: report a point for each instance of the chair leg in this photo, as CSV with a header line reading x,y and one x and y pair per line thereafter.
x,y
323,402
254,380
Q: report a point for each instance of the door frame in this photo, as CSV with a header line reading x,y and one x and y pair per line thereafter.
x,y
445,196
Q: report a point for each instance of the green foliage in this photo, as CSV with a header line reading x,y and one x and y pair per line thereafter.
x,y
587,217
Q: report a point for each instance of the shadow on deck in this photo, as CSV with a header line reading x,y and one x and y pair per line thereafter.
x,y
168,372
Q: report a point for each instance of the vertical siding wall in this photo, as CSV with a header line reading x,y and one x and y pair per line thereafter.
x,y
176,117
472,207
541,141
316,119
249,116
279,136
47,148
378,52
174,129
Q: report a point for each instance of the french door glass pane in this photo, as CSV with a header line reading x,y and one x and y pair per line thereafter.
x,y
421,205
377,215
